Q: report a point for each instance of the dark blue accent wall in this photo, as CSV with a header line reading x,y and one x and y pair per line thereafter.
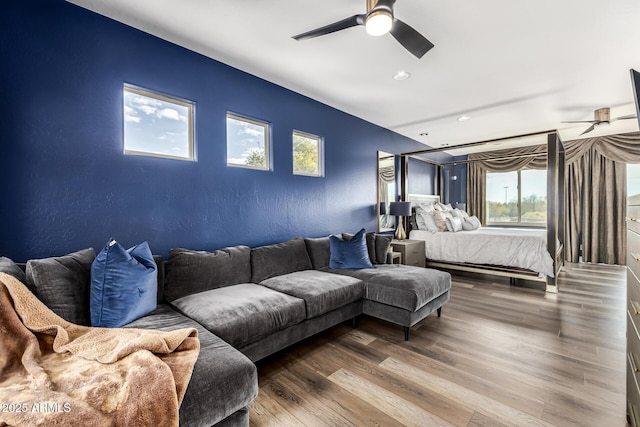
x,y
422,177
67,185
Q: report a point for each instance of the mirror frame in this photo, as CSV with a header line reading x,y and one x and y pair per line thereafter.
x,y
392,197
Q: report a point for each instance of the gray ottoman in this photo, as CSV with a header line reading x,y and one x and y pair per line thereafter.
x,y
402,294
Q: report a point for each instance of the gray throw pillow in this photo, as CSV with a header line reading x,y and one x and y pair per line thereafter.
x,y
281,258
62,284
189,272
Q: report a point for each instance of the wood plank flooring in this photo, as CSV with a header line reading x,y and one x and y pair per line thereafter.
x,y
500,355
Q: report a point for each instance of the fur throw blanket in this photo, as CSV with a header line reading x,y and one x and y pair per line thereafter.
x,y
55,373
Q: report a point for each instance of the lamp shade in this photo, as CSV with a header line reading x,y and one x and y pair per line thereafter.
x,y
400,208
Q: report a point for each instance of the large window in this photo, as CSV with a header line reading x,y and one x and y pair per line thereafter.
x,y
517,197
307,154
247,142
633,179
157,125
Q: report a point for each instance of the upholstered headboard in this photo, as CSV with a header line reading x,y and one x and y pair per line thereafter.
x,y
422,198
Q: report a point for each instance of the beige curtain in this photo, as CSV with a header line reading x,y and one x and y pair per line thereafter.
x,y
596,196
534,157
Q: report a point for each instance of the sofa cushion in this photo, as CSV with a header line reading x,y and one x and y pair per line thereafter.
x,y
383,241
124,285
276,260
321,292
318,250
11,268
242,314
350,253
401,286
223,379
62,284
189,272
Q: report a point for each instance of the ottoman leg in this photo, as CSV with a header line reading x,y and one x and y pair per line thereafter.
x,y
439,311
406,333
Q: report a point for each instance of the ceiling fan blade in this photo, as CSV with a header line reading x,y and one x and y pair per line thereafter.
x,y
352,21
582,121
412,40
632,116
589,129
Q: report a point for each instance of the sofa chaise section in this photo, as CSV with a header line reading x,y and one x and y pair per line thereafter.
x,y
223,382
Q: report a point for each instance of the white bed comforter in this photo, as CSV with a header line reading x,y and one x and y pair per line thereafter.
x,y
521,248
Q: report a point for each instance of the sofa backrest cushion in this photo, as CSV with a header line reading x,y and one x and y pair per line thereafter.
x,y
318,250
124,285
383,241
11,268
62,284
188,272
281,258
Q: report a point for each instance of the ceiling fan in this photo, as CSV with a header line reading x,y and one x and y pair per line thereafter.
x,y
600,116
378,20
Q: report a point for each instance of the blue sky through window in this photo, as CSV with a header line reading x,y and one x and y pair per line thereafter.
x,y
156,126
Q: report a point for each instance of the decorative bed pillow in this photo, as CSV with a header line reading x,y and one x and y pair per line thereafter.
x,y
471,223
424,217
124,285
453,224
440,219
459,213
62,284
349,253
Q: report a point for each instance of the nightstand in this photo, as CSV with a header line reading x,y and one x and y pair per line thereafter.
x,y
412,252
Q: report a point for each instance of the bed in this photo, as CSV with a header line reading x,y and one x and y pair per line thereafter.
x,y
517,253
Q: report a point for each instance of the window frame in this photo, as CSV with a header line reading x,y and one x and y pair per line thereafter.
x,y
190,105
320,150
518,223
267,140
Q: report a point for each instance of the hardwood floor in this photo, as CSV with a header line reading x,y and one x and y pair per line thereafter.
x,y
500,355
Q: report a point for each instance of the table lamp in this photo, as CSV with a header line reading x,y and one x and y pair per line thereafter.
x,y
400,209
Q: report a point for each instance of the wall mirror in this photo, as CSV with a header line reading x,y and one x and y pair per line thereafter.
x,y
387,190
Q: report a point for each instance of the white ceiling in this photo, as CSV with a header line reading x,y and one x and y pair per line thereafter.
x,y
514,67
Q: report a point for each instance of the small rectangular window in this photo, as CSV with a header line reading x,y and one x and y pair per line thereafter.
x,y
247,142
157,125
307,154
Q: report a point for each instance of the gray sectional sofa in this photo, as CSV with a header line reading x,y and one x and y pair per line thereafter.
x,y
248,303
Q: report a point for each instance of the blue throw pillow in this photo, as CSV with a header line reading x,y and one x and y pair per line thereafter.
x,y
124,285
349,253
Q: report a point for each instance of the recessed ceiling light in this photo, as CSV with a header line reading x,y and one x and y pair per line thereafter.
x,y
424,133
401,75
463,118
444,145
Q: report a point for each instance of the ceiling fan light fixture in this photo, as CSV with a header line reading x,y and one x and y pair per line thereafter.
x,y
379,22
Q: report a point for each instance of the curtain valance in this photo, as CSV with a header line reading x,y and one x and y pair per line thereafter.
x,y
533,157
619,148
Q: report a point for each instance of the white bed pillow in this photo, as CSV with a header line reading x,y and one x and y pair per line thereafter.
x,y
453,224
459,213
424,218
471,223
